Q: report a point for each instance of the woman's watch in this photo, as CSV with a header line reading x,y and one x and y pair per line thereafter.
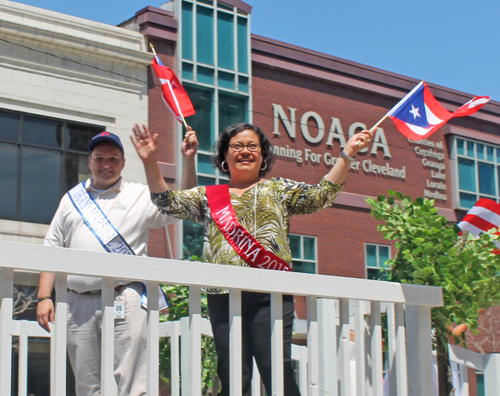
x,y
347,157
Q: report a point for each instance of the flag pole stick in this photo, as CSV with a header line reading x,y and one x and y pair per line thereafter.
x,y
178,107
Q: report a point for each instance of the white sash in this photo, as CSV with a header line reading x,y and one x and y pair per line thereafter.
x,y
109,237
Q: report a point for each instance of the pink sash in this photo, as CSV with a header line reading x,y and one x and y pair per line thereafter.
x,y
249,249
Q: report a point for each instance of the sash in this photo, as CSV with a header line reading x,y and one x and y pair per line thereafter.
x,y
109,237
249,249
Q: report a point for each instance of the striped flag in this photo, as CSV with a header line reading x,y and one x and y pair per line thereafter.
x,y
484,215
173,93
418,115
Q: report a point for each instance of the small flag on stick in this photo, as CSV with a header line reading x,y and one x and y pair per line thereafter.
x,y
418,115
173,93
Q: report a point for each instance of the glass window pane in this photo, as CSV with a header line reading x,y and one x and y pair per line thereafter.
x,y
77,137
383,255
76,169
8,180
372,273
187,71
42,132
205,164
371,255
40,184
9,126
202,123
232,109
205,75
301,266
193,240
187,30
226,80
204,35
467,200
466,175
225,40
295,246
480,151
486,179
242,45
309,248
490,154
460,147
209,2
470,149
243,84
224,7
206,181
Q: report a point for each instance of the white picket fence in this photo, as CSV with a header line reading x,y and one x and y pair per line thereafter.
x,y
337,308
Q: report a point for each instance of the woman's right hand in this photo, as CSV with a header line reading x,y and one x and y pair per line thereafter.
x,y
145,143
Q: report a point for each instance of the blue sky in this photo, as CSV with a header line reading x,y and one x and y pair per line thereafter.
x,y
453,43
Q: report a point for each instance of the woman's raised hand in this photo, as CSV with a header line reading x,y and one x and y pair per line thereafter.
x,y
359,142
190,144
145,143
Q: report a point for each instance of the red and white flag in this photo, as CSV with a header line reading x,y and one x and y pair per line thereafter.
x,y
484,215
173,93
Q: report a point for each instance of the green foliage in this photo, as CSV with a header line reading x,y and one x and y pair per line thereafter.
x,y
179,308
429,252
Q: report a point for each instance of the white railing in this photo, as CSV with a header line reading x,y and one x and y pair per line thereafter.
x,y
329,326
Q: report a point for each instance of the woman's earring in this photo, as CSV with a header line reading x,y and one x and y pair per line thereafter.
x,y
265,166
222,166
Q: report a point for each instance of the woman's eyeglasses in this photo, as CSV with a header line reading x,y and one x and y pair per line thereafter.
x,y
239,147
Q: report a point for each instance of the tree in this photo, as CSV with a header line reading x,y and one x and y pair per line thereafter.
x,y
430,251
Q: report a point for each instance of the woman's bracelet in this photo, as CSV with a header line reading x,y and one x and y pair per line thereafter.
x,y
347,157
43,298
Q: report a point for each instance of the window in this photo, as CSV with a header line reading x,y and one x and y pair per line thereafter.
x,y
375,257
215,67
304,253
477,171
41,159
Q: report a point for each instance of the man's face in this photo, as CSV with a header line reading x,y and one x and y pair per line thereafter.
x,y
106,163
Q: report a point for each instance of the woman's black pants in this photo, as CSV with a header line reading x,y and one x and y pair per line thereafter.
x,y
256,339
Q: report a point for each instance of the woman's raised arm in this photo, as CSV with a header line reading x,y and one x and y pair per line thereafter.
x,y
355,144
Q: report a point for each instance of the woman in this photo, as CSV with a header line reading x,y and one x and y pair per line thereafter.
x,y
257,237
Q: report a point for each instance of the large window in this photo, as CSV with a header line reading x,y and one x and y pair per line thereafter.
x,y
40,159
477,171
375,257
304,257
214,60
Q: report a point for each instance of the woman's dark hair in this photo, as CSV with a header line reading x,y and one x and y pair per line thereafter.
x,y
221,146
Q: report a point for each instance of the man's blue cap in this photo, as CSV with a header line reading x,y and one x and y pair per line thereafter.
x,y
105,137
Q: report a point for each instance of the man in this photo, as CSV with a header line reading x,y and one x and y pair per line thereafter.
x,y
130,211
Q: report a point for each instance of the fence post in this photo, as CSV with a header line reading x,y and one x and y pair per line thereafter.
x,y
492,375
419,350
58,338
6,293
327,329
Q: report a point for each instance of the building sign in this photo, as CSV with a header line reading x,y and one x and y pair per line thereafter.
x,y
433,157
336,132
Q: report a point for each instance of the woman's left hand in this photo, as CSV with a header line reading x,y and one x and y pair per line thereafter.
x,y
359,142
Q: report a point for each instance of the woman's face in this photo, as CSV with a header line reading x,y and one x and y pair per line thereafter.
x,y
246,161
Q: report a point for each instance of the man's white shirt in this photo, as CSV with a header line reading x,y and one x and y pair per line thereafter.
x,y
128,207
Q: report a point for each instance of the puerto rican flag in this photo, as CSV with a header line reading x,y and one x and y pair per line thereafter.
x,y
418,115
173,93
482,217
